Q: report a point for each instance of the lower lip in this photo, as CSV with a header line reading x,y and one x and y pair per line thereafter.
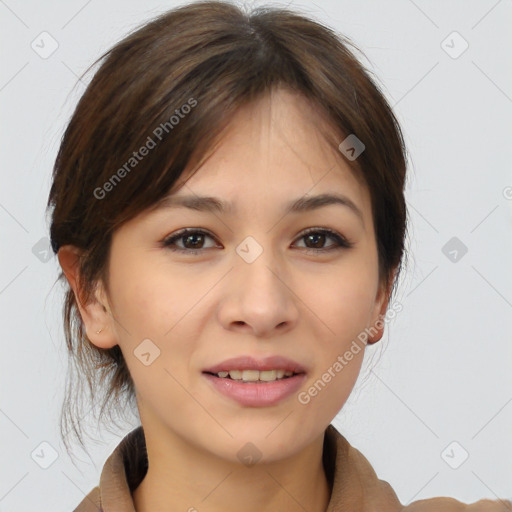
x,y
257,394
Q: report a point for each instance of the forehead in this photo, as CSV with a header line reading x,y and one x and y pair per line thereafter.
x,y
275,147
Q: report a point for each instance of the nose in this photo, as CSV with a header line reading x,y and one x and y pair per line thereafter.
x,y
259,298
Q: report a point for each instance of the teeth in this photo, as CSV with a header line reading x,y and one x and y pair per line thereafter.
x,y
249,375
256,375
266,375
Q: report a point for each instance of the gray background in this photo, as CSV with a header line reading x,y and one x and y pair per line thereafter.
x,y
445,374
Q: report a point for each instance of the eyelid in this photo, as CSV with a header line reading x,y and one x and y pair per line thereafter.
x,y
341,241
177,235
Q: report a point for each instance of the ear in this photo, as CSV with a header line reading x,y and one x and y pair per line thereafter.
x,y
96,314
381,306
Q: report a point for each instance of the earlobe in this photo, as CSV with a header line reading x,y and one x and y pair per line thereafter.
x,y
379,325
96,317
383,298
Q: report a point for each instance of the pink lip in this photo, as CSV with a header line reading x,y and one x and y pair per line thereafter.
x,y
251,363
257,394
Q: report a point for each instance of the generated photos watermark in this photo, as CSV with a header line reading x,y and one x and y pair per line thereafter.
x,y
304,397
151,142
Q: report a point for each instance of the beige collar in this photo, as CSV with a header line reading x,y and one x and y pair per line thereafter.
x,y
355,486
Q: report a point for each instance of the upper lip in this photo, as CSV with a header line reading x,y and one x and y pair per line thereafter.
x,y
247,362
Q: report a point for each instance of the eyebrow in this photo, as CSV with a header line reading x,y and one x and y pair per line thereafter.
x,y
300,205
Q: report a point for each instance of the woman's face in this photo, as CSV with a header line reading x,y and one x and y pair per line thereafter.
x,y
257,286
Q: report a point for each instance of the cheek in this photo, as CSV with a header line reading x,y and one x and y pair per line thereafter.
x,y
344,305
150,298
343,298
156,304
336,373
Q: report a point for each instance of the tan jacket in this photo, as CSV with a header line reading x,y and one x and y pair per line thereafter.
x,y
354,484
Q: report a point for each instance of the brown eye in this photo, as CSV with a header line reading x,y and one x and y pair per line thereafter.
x,y
196,240
315,239
192,240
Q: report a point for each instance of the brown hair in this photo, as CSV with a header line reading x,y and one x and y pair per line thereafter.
x,y
213,58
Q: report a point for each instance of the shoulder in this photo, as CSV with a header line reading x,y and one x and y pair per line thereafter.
x,y
91,503
453,505
378,495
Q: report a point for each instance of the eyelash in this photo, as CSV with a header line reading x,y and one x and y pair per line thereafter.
x,y
341,242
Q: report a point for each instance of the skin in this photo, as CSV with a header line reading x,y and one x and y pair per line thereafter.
x,y
202,309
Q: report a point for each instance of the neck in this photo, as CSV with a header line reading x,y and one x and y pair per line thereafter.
x,y
182,477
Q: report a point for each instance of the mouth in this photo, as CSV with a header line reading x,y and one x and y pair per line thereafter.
x,y
249,368
255,393
256,382
255,376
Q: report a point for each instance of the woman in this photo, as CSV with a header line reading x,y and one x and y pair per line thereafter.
x,y
228,210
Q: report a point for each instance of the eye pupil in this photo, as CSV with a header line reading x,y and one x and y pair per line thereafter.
x,y
193,236
316,236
